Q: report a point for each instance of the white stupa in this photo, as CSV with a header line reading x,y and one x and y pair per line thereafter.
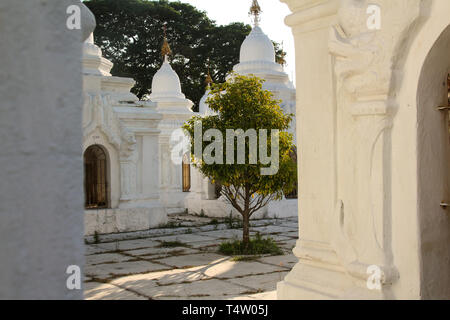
x,y
166,87
93,61
175,109
204,109
166,84
257,57
97,68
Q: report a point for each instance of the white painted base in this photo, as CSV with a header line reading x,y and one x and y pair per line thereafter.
x,y
283,209
319,275
220,209
173,201
123,220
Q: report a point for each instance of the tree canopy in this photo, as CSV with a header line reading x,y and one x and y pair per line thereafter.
x,y
242,105
130,33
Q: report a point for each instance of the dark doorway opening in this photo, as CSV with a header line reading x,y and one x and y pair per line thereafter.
x,y
95,178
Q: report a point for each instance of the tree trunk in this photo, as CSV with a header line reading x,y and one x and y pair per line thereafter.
x,y
246,230
246,219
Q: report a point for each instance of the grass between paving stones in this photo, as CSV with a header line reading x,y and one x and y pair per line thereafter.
x,y
245,258
171,225
257,246
172,244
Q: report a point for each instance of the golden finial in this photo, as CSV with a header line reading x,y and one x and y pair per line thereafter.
x,y
209,79
255,11
165,50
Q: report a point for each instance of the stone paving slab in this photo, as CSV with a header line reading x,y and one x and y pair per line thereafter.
x,y
106,258
206,246
287,261
194,290
288,245
200,227
193,260
278,238
271,295
261,283
227,269
223,234
128,244
292,226
183,218
184,238
272,230
157,253
292,234
102,291
94,249
160,278
107,271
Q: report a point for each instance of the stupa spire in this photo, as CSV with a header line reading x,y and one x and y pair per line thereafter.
x,y
255,11
209,79
165,50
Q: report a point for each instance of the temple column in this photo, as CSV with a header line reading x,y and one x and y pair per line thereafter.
x,y
311,22
41,164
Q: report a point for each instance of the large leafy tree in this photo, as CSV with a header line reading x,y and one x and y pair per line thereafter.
x,y
241,103
130,33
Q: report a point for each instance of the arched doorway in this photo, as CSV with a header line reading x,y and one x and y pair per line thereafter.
x,y
96,187
434,170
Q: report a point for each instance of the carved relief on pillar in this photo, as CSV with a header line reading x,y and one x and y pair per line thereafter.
x,y
170,171
166,164
128,164
98,114
363,63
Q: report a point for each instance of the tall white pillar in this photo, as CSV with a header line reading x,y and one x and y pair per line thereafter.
x,y
316,119
41,167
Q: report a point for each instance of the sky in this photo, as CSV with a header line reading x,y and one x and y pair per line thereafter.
x,y
272,21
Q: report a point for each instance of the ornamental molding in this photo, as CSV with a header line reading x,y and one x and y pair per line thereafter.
x,y
365,64
98,114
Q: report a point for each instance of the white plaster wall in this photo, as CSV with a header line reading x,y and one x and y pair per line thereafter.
x,y
283,209
107,221
41,195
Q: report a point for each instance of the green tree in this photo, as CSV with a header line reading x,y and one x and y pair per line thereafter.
x,y
241,103
130,33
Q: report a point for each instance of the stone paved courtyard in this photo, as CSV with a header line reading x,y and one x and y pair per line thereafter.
x,y
180,261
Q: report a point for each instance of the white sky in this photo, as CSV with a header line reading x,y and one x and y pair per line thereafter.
x,y
272,21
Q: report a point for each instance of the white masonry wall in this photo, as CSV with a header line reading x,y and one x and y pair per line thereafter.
x,y
41,196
